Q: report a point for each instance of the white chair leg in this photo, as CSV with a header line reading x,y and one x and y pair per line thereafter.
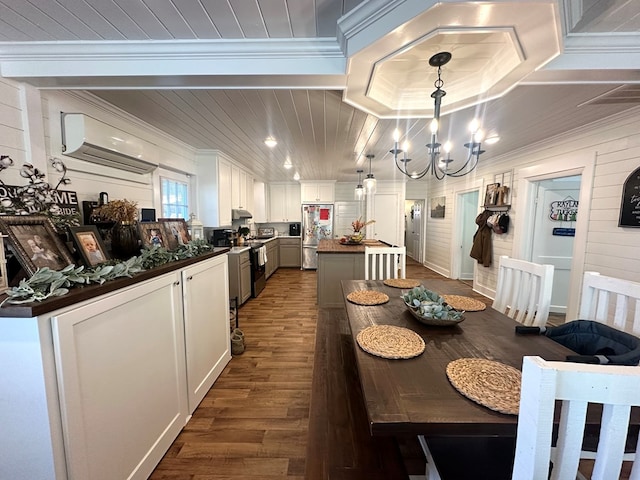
x,y
431,471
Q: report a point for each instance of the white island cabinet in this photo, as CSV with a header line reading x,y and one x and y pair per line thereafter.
x,y
100,388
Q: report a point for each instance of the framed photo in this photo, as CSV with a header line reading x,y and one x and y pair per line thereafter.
x,y
438,205
152,233
177,232
89,244
491,195
35,243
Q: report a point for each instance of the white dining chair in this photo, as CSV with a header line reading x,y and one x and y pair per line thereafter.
x,y
524,291
381,263
577,385
612,301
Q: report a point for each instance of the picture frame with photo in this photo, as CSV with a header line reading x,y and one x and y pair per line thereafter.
x,y
89,243
438,206
152,234
177,232
491,194
35,243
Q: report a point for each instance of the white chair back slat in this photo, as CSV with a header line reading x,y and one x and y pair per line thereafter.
x,y
612,301
381,263
524,290
614,387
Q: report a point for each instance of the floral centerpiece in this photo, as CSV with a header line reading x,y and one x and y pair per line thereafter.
x,y
123,211
357,226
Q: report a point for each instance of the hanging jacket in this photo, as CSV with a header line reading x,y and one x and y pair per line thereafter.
x,y
481,249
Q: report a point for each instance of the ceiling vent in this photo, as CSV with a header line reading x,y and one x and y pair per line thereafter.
x,y
627,94
88,139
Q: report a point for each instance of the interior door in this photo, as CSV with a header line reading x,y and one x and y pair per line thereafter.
x,y
469,203
386,213
552,239
413,228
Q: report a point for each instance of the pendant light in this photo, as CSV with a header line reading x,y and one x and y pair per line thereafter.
x,y
359,192
370,181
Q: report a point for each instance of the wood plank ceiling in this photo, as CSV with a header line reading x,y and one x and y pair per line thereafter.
x,y
324,137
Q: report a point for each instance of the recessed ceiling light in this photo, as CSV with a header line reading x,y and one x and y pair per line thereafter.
x,y
296,176
287,164
270,142
492,139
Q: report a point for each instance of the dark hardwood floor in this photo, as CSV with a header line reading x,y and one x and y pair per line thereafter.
x,y
290,406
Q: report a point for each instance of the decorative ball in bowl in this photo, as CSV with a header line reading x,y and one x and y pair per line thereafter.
x,y
352,239
430,308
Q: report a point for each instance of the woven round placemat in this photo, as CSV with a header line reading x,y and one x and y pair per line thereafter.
x,y
487,382
368,297
388,341
468,304
401,282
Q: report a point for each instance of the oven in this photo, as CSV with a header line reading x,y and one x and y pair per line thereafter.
x,y
258,278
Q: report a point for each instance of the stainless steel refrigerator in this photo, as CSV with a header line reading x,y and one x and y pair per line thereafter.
x,y
317,224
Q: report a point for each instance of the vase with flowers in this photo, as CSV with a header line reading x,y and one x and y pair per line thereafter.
x,y
124,234
358,225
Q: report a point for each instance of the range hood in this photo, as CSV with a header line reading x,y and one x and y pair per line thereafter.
x,y
237,214
88,139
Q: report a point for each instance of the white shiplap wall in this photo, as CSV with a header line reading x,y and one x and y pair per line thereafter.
x,y
611,250
20,133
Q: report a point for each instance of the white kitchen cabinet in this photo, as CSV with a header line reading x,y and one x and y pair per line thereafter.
x,y
214,189
260,210
318,192
284,202
205,295
235,187
224,193
120,364
101,387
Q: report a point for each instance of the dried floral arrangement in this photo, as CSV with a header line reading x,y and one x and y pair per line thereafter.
x,y
46,283
358,224
37,197
123,211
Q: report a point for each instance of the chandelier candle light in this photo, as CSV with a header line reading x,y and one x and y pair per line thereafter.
x,y
438,165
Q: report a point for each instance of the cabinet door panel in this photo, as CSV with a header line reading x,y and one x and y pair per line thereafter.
x,y
120,363
206,325
224,193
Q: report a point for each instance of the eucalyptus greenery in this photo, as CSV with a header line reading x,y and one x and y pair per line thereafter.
x,y
429,304
46,283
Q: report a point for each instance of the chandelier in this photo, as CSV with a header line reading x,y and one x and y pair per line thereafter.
x,y
439,165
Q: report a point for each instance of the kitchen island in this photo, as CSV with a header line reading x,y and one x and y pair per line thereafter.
x,y
99,382
337,262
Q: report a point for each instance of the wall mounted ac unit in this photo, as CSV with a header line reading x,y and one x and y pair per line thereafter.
x,y
88,139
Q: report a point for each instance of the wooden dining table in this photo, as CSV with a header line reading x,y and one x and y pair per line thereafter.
x,y
414,396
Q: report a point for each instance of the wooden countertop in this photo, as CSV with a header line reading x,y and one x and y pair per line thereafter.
x,y
81,293
334,246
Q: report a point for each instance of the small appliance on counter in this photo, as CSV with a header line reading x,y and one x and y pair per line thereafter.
x,y
294,229
222,238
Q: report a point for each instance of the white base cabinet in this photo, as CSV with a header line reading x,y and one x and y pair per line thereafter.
x,y
100,389
120,363
205,295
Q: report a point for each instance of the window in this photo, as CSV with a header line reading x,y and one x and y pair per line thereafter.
x,y
175,199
